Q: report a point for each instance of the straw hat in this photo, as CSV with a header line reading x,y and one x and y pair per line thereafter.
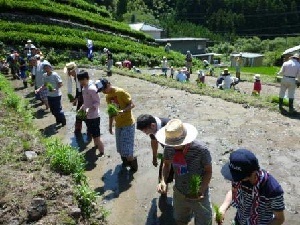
x,y
70,66
176,133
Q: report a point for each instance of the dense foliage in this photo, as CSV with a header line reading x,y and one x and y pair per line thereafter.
x,y
265,18
64,11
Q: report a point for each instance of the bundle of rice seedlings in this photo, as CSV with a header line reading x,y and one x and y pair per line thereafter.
x,y
218,214
71,97
194,185
160,156
81,114
49,86
112,110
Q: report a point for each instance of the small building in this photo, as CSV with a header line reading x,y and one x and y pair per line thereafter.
x,y
153,31
184,44
212,58
290,51
249,59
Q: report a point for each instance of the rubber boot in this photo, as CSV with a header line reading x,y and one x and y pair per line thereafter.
x,y
125,163
78,126
280,103
238,75
25,84
291,105
134,165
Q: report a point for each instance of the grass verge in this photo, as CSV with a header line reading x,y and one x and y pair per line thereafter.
x,y
264,101
55,174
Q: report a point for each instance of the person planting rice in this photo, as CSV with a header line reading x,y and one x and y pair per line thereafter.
x,y
149,125
124,121
189,157
53,83
90,107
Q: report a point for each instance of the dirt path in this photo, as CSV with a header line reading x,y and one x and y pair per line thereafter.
x,y
224,126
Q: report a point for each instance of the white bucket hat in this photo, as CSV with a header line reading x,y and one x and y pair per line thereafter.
x,y
176,133
256,77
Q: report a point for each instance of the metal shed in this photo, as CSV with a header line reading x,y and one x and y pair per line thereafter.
x,y
249,59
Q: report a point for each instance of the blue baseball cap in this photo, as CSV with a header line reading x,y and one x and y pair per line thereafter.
x,y
242,163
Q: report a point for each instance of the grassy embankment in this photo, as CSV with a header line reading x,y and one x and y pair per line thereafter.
x,y
56,174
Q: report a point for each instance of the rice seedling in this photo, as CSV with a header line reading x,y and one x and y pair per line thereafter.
x,y
49,86
194,185
71,97
81,114
219,215
112,110
160,156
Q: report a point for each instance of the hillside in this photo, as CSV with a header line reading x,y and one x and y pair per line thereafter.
x,y
55,24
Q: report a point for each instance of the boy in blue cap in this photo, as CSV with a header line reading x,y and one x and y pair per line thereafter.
x,y
255,193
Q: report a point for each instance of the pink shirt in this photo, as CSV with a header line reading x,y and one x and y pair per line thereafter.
x,y
91,100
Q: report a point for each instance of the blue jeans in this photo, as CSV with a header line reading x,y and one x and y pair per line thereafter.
x,y
56,108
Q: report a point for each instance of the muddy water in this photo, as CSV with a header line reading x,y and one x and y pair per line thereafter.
x,y
132,198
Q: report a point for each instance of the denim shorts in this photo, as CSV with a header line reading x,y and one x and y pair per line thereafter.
x,y
93,127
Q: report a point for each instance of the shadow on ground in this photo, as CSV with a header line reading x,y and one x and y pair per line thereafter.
x,y
115,182
166,212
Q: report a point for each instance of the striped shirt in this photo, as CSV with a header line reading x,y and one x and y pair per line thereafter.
x,y
270,200
197,157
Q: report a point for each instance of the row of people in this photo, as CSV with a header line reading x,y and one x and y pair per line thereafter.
x,y
182,152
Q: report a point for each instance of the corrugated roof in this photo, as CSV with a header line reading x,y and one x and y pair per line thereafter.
x,y
144,27
181,39
291,50
247,55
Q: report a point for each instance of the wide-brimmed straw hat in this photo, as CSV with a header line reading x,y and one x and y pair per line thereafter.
x,y
176,133
70,66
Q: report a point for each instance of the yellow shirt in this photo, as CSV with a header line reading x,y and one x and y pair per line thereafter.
x,y
121,99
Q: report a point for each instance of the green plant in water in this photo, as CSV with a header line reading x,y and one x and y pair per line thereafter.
x,y
112,110
86,198
194,185
218,214
81,114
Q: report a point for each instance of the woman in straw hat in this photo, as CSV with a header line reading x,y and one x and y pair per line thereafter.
x,y
72,70
189,158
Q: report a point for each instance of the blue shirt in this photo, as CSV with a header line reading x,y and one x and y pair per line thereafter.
x,y
181,77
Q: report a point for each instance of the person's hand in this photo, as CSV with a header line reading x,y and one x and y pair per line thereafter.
x,y
110,130
154,161
74,102
199,197
162,188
